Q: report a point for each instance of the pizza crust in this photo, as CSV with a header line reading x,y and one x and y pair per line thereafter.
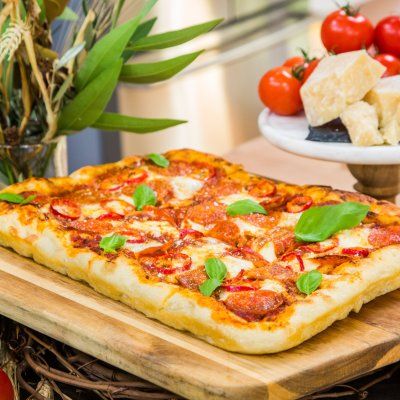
x,y
206,317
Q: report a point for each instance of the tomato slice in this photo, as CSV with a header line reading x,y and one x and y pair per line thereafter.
x,y
167,264
356,252
65,208
262,188
237,288
299,204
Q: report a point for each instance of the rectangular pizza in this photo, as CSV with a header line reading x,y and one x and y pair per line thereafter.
x,y
245,263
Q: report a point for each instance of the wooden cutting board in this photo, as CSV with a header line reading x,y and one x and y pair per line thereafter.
x,y
75,314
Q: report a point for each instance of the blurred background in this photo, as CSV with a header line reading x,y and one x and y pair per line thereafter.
x,y
217,94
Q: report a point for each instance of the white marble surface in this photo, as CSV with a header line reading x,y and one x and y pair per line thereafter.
x,y
289,134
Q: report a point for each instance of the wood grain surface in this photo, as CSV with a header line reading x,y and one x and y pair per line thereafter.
x,y
75,314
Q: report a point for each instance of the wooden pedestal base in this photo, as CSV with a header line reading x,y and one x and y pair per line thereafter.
x,y
379,181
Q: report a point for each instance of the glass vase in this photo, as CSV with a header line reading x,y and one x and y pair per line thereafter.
x,y
22,161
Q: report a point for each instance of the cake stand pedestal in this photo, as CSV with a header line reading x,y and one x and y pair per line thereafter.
x,y
376,168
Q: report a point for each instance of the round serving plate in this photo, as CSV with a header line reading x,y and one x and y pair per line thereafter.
x,y
289,133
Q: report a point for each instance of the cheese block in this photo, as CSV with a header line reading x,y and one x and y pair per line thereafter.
x,y
361,120
385,97
337,82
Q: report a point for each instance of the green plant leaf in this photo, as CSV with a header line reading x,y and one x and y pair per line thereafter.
x,y
142,30
244,207
63,88
157,71
117,122
144,196
42,15
216,271
309,281
207,287
215,268
110,244
16,198
89,104
68,15
70,54
159,160
108,49
319,223
173,38
54,8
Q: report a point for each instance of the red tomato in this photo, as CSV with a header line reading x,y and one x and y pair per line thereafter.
x,y
6,387
391,63
387,35
309,68
346,30
279,90
294,62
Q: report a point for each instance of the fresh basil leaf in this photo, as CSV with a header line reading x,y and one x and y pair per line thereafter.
x,y
12,198
173,38
157,71
207,287
309,281
108,49
159,160
116,122
110,244
215,269
144,196
319,223
244,207
28,199
89,104
16,198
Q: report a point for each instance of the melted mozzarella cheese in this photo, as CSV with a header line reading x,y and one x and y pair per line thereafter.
x,y
246,227
274,286
205,248
137,247
92,210
127,199
357,237
289,219
184,187
268,252
155,228
235,265
232,198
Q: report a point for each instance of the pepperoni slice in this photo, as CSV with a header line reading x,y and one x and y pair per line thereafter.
x,y
274,203
126,177
329,262
192,279
254,305
237,288
294,254
206,213
167,264
163,189
356,252
262,188
223,187
261,220
299,204
91,226
65,208
195,169
190,232
226,231
382,236
110,215
320,247
274,271
283,240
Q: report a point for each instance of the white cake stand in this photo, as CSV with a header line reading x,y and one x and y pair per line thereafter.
x,y
376,168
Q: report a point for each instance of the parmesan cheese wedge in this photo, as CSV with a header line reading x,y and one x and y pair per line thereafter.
x,y
337,82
